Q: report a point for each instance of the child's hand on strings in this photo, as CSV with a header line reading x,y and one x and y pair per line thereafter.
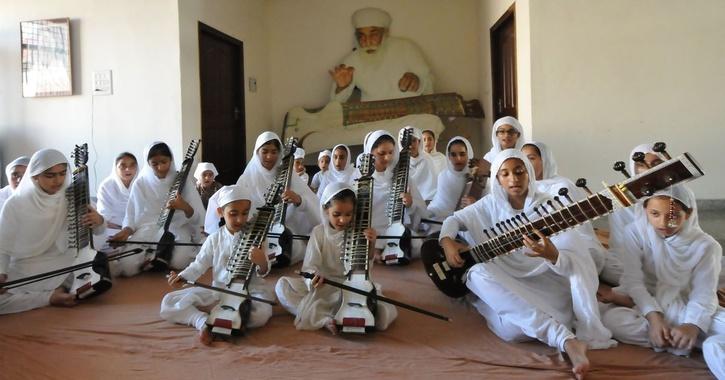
x,y
543,248
175,281
684,336
122,235
371,235
179,203
259,257
453,251
407,198
92,218
659,330
289,196
3,279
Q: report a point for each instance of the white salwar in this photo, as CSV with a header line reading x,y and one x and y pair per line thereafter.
x,y
345,175
112,198
300,219
7,191
382,184
315,307
451,185
676,276
182,306
34,237
422,171
608,264
523,296
147,200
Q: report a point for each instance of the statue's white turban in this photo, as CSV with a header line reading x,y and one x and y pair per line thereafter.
x,y
371,17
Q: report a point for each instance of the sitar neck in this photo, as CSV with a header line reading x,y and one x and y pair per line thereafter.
x,y
240,265
395,207
356,245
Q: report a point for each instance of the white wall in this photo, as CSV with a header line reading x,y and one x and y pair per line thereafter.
x,y
137,39
243,20
609,75
307,38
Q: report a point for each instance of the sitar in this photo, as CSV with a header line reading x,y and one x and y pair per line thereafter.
x,y
397,251
166,239
96,279
357,312
311,125
506,236
280,242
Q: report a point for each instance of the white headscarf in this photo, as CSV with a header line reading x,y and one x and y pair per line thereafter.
x,y
330,191
256,177
324,153
149,187
450,183
202,167
221,198
299,154
373,137
20,161
675,255
495,146
114,209
551,181
333,175
33,220
366,17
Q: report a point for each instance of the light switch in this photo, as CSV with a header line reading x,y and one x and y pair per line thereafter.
x,y
252,84
102,82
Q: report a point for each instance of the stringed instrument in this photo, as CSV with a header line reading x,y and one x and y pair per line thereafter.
x,y
94,280
479,172
397,251
552,221
280,242
357,312
231,314
316,127
162,256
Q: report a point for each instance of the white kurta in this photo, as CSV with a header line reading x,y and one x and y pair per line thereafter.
x,y
677,277
422,176
526,296
440,161
181,306
5,193
451,185
314,307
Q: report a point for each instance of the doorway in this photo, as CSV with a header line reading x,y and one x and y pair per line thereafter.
x,y
503,65
221,77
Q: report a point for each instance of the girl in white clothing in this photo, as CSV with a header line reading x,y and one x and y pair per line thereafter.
x,y
381,145
422,169
429,146
545,290
341,170
506,133
192,306
671,273
148,199
323,162
260,174
314,304
34,235
300,165
452,181
113,194
14,173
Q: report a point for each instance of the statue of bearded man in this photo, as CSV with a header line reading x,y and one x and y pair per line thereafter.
x,y
382,67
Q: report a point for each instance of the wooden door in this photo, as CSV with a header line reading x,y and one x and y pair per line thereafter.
x,y
503,65
221,76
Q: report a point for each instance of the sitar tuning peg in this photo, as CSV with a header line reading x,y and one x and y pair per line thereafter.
x,y
564,192
639,157
660,147
620,167
558,201
582,183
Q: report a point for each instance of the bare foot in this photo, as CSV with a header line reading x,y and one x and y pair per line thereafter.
x,y
331,326
61,297
205,336
577,351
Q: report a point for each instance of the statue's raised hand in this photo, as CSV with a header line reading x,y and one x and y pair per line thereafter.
x,y
342,75
409,82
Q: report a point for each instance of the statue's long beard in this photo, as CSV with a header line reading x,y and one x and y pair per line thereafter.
x,y
374,58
